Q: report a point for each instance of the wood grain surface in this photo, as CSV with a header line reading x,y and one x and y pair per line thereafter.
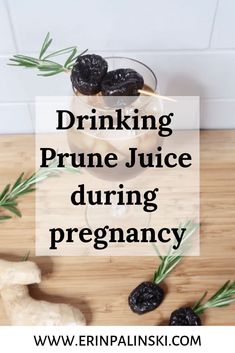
x,y
100,285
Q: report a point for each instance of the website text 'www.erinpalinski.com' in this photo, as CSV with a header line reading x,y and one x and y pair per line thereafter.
x,y
103,339
117,341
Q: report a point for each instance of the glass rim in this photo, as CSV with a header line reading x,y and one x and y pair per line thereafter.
x,y
155,88
139,62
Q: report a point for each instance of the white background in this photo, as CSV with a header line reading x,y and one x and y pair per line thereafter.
x,y
190,44
213,339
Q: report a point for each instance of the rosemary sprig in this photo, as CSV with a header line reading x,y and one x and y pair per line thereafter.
x,y
223,297
23,185
173,257
43,63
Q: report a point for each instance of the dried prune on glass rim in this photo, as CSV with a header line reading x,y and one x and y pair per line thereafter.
x,y
146,297
184,317
122,82
88,72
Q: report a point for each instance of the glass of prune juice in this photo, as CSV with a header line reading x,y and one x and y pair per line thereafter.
x,y
117,141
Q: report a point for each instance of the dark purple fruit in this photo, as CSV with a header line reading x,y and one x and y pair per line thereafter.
x,y
122,82
145,297
184,317
88,72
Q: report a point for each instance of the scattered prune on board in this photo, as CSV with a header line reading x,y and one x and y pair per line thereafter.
x,y
184,317
122,82
145,297
88,72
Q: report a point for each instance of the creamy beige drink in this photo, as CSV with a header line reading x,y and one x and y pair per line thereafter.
x,y
115,141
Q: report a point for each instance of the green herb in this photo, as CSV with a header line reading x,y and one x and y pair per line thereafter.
x,y
173,257
43,63
223,297
23,185
25,257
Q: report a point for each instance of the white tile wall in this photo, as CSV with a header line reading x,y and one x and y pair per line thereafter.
x,y
7,42
15,118
206,74
218,113
224,31
22,85
114,25
189,44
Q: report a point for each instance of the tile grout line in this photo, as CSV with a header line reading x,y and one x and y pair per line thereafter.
x,y
208,50
7,7
213,24
31,116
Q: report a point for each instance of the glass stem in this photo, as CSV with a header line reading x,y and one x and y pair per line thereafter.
x,y
118,210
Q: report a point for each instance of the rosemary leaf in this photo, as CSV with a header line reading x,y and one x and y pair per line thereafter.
x,y
198,303
52,73
13,210
25,257
4,217
18,181
71,58
23,186
5,191
223,297
43,64
173,257
45,45
60,52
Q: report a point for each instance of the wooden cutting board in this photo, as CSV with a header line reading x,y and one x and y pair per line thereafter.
x,y
100,285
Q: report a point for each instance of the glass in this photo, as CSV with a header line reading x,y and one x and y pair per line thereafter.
x,y
118,142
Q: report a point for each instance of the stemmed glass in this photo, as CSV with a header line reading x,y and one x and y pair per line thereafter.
x,y
119,142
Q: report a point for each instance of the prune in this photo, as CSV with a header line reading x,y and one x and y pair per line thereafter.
x,y
184,317
88,72
122,82
145,297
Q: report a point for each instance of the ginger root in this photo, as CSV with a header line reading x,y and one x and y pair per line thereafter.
x,y
23,310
